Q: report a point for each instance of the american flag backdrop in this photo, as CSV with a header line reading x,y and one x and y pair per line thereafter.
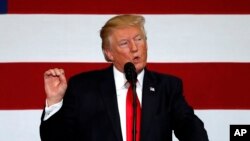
x,y
206,43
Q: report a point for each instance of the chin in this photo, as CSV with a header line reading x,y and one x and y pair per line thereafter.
x,y
139,67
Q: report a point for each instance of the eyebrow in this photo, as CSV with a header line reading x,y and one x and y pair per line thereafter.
x,y
122,40
138,35
125,39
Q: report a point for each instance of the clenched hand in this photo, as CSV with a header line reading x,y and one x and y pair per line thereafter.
x,y
55,84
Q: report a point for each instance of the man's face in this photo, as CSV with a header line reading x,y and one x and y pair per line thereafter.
x,y
128,45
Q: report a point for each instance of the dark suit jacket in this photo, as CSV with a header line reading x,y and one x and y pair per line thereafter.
x,y
90,111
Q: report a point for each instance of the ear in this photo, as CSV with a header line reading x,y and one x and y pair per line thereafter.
x,y
108,54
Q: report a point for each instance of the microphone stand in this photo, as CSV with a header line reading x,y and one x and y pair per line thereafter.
x,y
134,108
131,76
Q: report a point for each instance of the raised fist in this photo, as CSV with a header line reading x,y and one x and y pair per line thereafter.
x,y
55,85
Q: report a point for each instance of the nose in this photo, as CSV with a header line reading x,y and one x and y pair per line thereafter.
x,y
133,47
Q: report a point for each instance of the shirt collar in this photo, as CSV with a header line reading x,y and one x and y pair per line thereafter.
x,y
120,79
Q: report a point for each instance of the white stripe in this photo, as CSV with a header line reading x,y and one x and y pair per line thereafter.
x,y
217,122
23,125
171,38
20,125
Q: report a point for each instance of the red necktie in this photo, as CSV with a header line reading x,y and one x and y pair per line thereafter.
x,y
129,116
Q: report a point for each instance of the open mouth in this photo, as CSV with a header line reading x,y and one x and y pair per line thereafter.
x,y
136,59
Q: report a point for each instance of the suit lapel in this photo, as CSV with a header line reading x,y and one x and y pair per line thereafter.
x,y
110,99
149,102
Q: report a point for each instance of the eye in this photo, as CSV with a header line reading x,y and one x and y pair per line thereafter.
x,y
123,43
138,38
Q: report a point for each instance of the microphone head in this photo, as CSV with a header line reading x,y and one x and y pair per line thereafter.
x,y
130,72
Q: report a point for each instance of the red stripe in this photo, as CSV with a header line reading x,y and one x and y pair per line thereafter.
x,y
206,85
130,6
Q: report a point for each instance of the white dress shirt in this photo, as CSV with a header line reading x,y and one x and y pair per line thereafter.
x,y
121,86
121,90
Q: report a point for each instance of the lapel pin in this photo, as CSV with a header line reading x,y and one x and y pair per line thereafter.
x,y
152,89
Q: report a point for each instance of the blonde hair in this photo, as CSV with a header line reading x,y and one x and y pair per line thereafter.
x,y
119,21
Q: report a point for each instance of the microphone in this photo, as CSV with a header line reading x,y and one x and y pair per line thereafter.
x,y
130,73
131,76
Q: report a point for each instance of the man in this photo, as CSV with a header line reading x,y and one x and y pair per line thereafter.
x,y
92,107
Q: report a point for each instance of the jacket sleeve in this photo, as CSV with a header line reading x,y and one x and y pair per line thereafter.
x,y
187,126
61,125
